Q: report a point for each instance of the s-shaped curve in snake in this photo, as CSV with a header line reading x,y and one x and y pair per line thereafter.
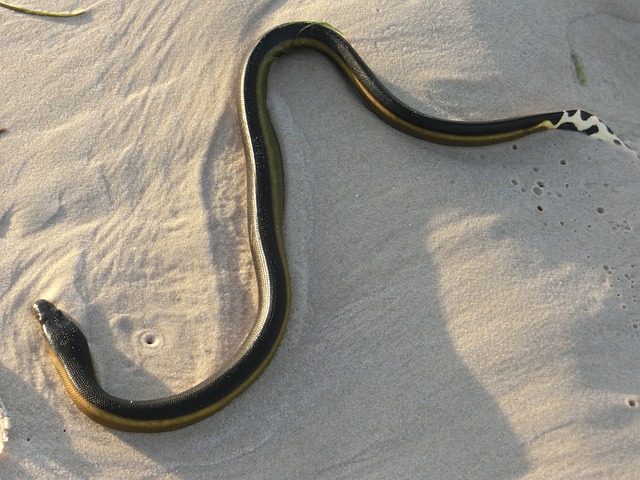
x,y
68,346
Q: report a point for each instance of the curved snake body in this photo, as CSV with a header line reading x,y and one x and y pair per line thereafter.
x,y
67,344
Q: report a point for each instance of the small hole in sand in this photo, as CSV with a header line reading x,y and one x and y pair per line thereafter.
x,y
563,162
514,146
540,208
600,210
632,403
150,339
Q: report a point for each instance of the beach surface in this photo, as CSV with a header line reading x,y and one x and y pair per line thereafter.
x,y
456,312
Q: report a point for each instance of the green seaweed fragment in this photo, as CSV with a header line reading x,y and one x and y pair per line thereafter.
x,y
29,11
579,71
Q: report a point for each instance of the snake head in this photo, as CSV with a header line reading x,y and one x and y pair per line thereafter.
x,y
54,323
65,340
44,310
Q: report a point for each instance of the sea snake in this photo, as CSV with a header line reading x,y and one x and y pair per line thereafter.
x,y
68,346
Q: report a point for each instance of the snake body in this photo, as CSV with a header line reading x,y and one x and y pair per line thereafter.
x,y
68,346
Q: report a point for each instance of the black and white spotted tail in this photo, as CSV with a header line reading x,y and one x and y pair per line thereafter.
x,y
584,122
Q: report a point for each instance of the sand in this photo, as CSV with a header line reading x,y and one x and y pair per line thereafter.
x,y
457,313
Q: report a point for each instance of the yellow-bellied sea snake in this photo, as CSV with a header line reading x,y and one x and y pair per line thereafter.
x,y
68,346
